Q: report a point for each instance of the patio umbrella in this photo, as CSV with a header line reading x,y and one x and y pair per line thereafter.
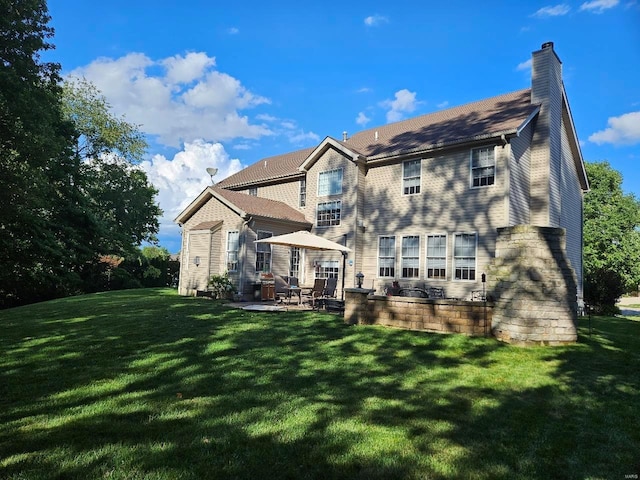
x,y
304,239
308,240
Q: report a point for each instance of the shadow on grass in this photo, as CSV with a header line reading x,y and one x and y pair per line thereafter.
x,y
170,387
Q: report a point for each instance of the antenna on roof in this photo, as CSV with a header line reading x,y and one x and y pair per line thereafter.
x,y
212,172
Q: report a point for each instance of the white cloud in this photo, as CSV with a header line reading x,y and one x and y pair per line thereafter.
x,y
301,137
187,100
444,104
622,130
181,179
362,119
524,65
405,102
553,11
375,20
598,6
364,90
233,31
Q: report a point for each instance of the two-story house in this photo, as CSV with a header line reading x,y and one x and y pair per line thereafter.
x,y
419,201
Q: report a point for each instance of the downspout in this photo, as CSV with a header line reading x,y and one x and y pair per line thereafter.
x,y
243,252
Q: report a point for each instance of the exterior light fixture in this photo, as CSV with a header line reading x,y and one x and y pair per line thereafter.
x,y
196,261
359,278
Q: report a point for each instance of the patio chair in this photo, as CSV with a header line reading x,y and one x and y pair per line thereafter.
x,y
317,291
330,287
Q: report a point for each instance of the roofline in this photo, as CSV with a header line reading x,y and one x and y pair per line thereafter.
x,y
200,200
263,181
528,120
327,143
574,139
282,220
442,146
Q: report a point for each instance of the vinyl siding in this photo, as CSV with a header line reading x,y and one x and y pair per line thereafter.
x,y
571,217
286,192
519,177
446,204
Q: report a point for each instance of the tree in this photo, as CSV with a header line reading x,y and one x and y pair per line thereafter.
x,y
122,199
42,212
611,238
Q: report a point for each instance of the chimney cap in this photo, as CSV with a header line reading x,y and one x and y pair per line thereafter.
x,y
345,136
547,45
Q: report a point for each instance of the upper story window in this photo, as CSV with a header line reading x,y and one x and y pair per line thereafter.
x,y
483,167
253,191
233,246
303,192
411,256
464,256
330,182
411,171
387,257
437,257
328,213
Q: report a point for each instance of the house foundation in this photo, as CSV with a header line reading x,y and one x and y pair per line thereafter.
x,y
534,287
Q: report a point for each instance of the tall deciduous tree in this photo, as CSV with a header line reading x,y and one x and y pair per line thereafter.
x,y
611,237
40,202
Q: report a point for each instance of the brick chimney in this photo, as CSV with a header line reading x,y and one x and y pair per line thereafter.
x,y
546,91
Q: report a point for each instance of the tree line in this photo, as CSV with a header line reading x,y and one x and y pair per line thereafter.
x,y
74,205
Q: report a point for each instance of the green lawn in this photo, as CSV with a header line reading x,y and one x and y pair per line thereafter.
x,y
147,384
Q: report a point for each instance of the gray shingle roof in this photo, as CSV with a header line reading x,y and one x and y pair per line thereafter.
x,y
262,207
487,118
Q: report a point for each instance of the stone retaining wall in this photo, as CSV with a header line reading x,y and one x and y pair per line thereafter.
x,y
433,315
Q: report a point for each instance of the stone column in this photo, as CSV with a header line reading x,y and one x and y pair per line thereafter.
x,y
355,305
534,287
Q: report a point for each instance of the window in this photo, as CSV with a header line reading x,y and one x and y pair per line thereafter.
x,y
410,256
263,253
303,192
330,182
253,191
464,256
294,262
411,177
483,167
437,257
328,213
326,269
387,257
233,245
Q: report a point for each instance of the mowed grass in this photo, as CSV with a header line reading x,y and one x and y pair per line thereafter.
x,y
145,384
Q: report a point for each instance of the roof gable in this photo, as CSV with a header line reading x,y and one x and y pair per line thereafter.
x,y
245,206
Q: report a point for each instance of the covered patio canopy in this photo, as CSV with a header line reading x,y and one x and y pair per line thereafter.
x,y
308,240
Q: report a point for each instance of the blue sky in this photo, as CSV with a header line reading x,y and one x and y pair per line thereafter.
x,y
222,85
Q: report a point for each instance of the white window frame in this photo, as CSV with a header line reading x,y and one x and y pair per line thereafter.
x,y
381,257
230,252
295,260
457,258
260,234
427,256
326,269
403,257
253,191
473,168
335,215
302,199
406,178
326,182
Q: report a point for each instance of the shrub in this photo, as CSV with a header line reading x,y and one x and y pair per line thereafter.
x,y
220,286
